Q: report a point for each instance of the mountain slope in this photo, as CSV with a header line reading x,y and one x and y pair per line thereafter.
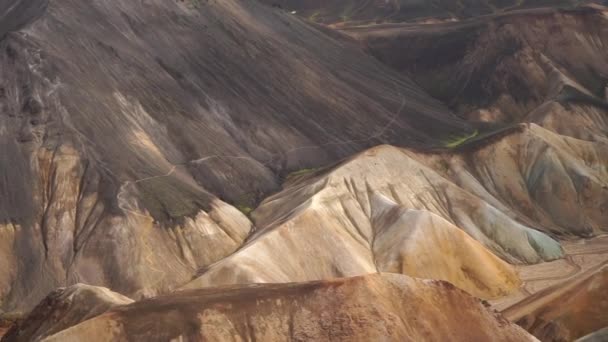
x,y
391,209
502,68
64,308
372,308
364,11
137,136
123,124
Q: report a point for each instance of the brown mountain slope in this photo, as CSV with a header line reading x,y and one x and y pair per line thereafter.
x,y
566,311
64,308
371,308
358,11
122,123
502,67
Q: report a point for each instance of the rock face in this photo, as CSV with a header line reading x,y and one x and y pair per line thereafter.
x,y
567,311
64,308
371,308
123,124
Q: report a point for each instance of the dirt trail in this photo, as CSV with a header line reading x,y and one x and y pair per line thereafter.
x,y
581,255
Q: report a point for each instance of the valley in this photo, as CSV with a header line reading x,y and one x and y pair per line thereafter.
x,y
303,170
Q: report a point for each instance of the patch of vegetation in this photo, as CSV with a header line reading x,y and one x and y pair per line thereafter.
x,y
301,172
460,140
246,210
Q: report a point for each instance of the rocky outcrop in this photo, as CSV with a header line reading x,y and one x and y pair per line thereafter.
x,y
64,308
371,308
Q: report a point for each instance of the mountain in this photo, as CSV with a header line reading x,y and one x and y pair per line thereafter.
x,y
124,134
374,307
537,65
191,169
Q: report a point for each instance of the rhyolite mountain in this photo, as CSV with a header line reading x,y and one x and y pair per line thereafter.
x,y
125,126
186,150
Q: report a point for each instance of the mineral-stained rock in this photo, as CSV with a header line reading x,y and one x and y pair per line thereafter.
x,y
371,308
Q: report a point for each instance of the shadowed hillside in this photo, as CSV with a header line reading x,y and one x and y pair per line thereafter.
x,y
506,67
118,116
374,11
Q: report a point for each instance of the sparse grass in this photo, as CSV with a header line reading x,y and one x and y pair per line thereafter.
x,y
461,140
301,172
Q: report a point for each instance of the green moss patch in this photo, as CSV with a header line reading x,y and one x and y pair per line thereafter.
x,y
460,140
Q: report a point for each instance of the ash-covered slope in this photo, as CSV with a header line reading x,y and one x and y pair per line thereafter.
x,y
379,307
121,121
503,68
